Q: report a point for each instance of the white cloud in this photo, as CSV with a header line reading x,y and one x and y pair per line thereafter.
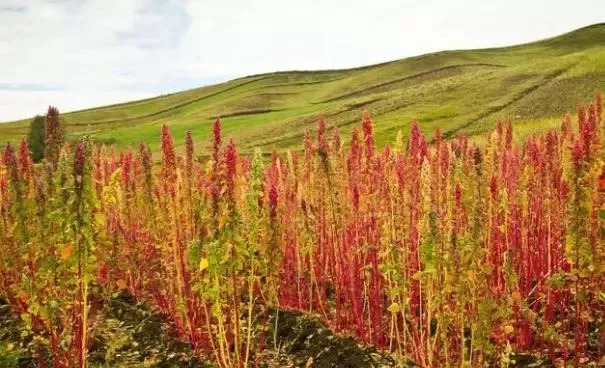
x,y
84,53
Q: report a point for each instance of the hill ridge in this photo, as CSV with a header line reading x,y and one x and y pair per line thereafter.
x,y
458,90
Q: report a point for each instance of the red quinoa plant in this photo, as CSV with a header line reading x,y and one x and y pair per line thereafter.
x,y
447,253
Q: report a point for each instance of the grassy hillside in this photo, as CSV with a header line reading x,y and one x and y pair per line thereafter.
x,y
460,91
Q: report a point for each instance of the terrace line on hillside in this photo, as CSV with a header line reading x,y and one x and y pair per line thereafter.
x,y
463,91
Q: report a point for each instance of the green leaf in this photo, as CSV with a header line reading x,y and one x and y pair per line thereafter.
x,y
417,275
100,219
394,308
203,264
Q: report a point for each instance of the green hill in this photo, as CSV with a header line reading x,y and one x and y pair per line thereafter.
x,y
460,91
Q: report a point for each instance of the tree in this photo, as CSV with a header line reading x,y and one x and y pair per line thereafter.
x,y
35,138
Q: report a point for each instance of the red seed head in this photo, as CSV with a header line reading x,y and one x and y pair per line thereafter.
x,y
493,186
231,166
477,157
273,195
168,160
445,160
168,155
336,141
356,196
80,156
598,98
53,136
587,126
509,135
593,124
355,146
216,147
10,161
423,149
145,157
354,157
189,151
415,142
4,193
273,198
581,116
438,137
400,170
127,168
566,126
274,158
245,164
458,195
386,154
26,165
500,129
322,142
552,140
368,135
577,153
217,139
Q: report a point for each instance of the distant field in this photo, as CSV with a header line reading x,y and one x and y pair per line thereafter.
x,y
458,91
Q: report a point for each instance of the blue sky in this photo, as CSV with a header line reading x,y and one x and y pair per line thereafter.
x,y
82,53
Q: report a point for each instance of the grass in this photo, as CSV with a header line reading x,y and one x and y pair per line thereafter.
x,y
460,91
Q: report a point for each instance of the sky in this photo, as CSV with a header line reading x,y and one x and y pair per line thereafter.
x,y
75,54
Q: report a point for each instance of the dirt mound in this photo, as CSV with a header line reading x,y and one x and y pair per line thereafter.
x,y
128,333
304,341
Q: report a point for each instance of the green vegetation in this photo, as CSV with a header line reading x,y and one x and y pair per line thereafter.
x,y
465,91
35,138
